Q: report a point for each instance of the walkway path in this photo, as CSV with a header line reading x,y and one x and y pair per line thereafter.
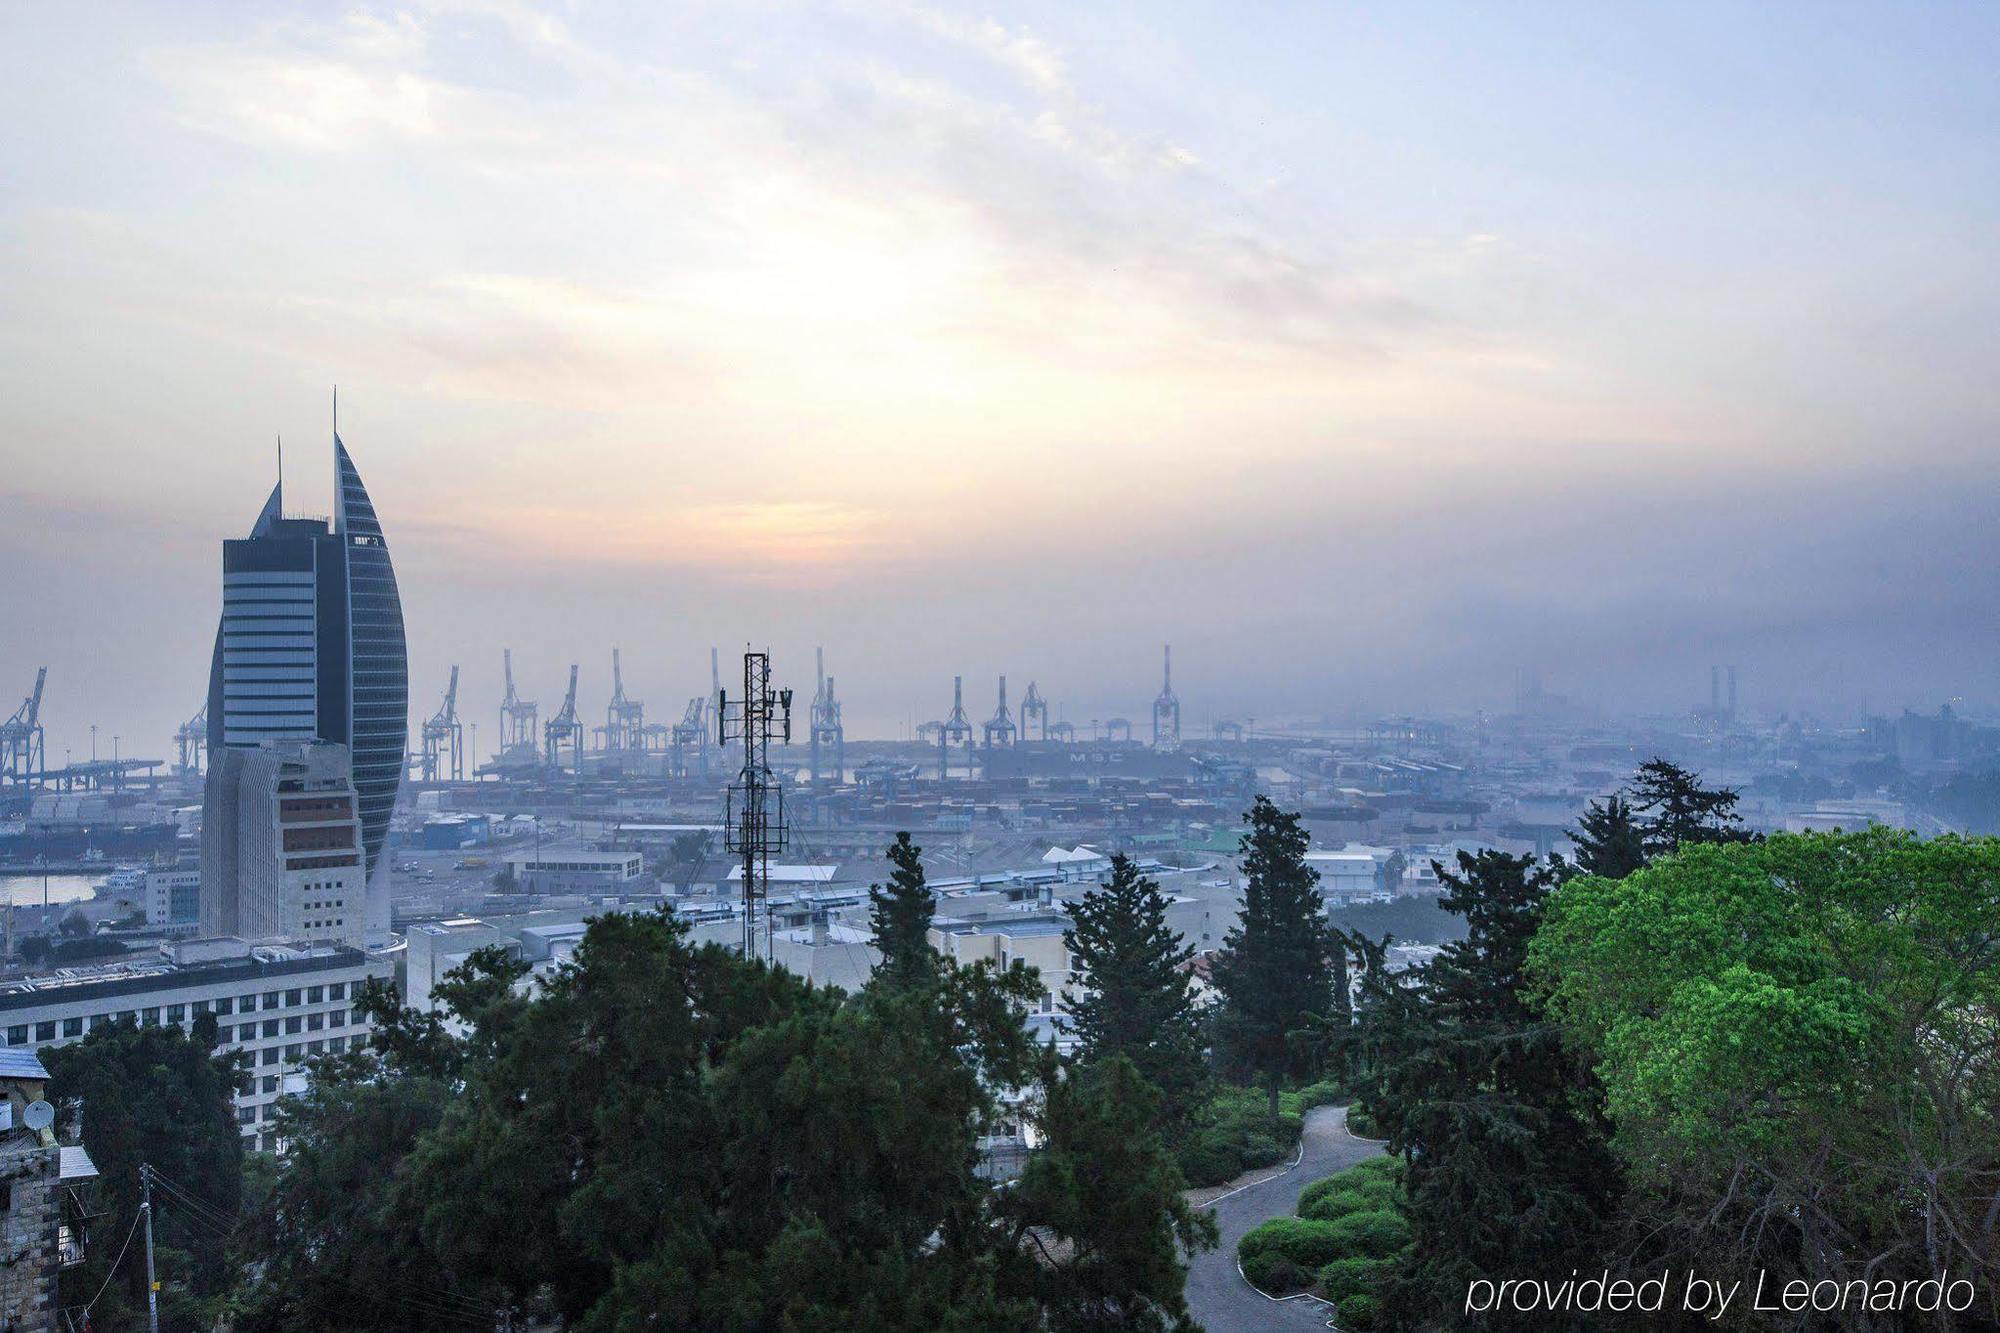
x,y
1220,1300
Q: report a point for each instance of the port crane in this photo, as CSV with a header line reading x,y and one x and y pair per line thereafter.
x,y
23,752
999,729
827,730
444,739
1034,706
563,729
192,742
517,720
1167,710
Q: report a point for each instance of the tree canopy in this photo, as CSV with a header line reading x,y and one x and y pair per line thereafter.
x,y
1278,968
900,916
1797,1045
1131,992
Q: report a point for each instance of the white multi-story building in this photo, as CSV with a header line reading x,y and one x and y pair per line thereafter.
x,y
173,900
282,855
280,1004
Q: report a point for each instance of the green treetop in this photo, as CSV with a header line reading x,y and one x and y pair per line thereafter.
x,y
1131,991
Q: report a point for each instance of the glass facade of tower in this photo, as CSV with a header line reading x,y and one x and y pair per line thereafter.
x,y
378,662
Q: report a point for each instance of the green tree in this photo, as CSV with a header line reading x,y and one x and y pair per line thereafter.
x,y
339,1254
162,1097
1106,1191
700,1140
901,918
1609,840
1679,811
1797,1045
1133,994
1277,969
686,854
1507,1169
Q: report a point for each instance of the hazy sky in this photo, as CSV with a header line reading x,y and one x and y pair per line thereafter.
x,y
1364,352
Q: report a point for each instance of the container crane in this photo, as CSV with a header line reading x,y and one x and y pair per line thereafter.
x,y
444,739
624,719
999,729
827,730
564,729
192,742
1167,710
23,753
1034,706
517,720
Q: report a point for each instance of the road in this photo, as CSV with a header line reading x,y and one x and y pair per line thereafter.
x,y
1218,1297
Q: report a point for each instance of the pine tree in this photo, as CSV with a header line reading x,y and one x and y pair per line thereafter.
x,y
1276,967
1509,1172
1132,994
1680,811
1609,841
1106,1188
901,918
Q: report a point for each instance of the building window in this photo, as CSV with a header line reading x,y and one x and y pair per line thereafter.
x,y
45,1030
294,1025
201,1006
270,1027
176,1013
337,1019
271,999
245,1115
269,1056
291,997
17,1035
294,1053
314,1022
223,1005
151,1017
249,1005
314,994
270,1084
315,1047
337,991
72,1027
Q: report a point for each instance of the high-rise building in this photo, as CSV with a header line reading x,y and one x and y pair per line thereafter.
x,y
309,648
285,858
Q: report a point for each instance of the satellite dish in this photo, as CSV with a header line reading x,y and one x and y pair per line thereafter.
x,y
39,1115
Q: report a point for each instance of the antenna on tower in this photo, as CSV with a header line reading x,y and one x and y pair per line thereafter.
x,y
754,807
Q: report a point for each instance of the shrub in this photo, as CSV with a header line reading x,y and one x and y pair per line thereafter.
x,y
1330,1204
1274,1273
1300,1100
1203,1163
1363,1188
1305,1242
1376,1234
1361,1122
1356,1275
1237,1137
1359,1311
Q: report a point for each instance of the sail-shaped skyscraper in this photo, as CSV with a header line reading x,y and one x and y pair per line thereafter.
x,y
309,653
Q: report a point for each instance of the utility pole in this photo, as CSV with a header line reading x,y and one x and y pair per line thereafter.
x,y
152,1280
754,808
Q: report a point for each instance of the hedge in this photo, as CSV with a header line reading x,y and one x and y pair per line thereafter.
x,y
1304,1241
